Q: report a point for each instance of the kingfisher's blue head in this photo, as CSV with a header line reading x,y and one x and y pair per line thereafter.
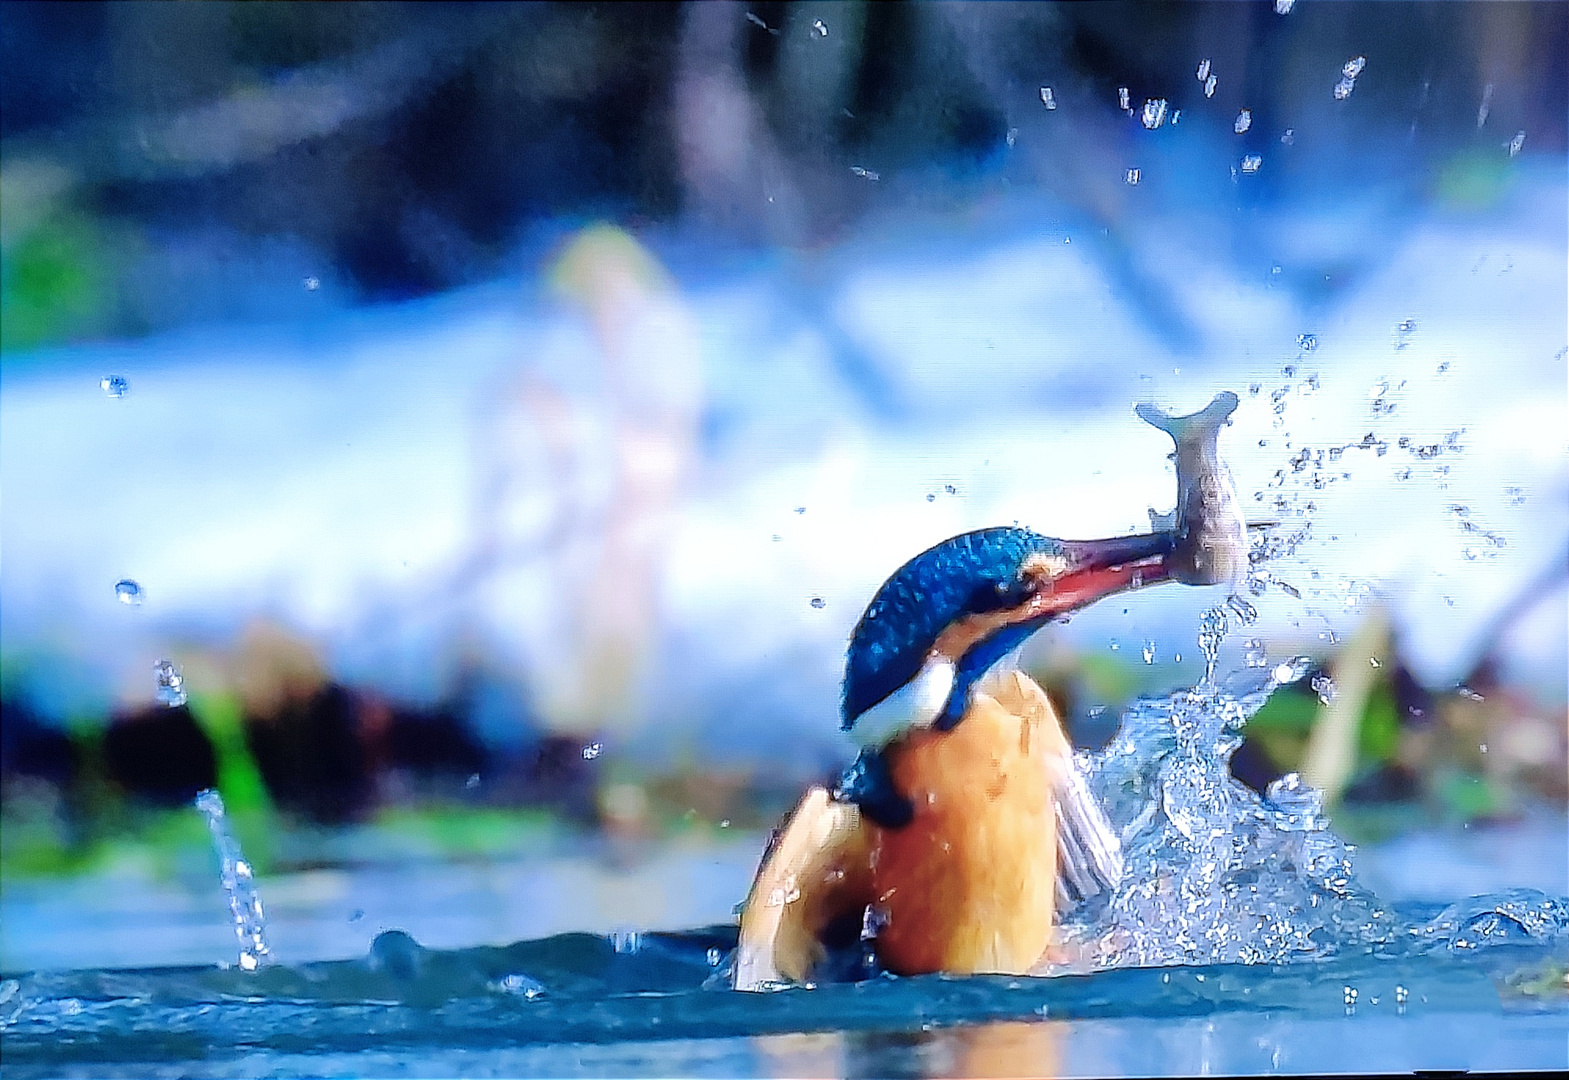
x,y
946,616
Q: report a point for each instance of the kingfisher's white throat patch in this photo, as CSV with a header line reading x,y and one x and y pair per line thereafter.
x,y
915,704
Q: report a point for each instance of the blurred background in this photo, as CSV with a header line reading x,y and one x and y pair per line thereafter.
x,y
466,435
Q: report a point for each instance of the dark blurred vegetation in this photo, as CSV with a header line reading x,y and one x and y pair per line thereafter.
x,y
290,749
164,163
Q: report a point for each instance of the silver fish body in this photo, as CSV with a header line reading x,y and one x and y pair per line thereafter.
x,y
1211,545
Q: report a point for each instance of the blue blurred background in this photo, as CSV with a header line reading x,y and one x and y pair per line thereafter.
x,y
495,417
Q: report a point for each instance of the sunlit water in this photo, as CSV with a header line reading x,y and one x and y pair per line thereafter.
x,y
1240,940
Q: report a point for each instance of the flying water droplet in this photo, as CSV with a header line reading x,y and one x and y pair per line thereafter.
x,y
1149,652
1517,143
1048,99
1122,98
593,750
1283,7
1209,86
1354,66
1487,105
1290,137
311,284
865,174
1203,72
626,941
128,592
819,28
819,603
1131,177
1154,113
170,684
1325,688
1307,342
1251,163
1243,122
245,907
116,386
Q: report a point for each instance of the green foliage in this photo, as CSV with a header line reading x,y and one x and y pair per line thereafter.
x,y
1475,179
1378,734
52,283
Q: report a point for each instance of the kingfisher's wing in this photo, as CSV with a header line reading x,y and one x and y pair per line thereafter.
x,y
1089,852
816,870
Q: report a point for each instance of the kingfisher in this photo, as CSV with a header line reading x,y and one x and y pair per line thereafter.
x,y
964,827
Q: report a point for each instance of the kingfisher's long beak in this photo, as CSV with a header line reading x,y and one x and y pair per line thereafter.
x,y
1099,568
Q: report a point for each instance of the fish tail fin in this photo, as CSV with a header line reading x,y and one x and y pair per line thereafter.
x,y
1185,429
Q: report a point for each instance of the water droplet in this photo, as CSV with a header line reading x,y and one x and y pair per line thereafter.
x,y
1243,122
356,915
245,907
170,684
1325,688
819,28
1251,163
800,509
1406,326
592,751
1401,994
1517,143
1343,89
1354,66
1154,113
626,941
865,174
1203,72
931,498
1131,177
819,603
1122,98
950,489
1012,137
714,956
1209,86
472,783
128,592
1487,105
1283,7
116,386
311,284
1350,993
1149,652
1048,99
1307,342
1290,137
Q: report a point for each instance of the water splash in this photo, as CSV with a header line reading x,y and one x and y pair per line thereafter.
x,y
170,684
245,906
1215,872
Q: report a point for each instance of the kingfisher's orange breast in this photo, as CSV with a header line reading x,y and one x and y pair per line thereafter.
x,y
970,884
